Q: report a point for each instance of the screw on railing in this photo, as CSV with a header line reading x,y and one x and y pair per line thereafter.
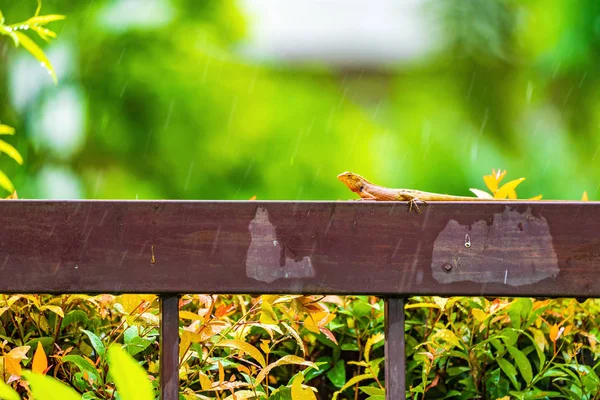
x,y
169,347
395,361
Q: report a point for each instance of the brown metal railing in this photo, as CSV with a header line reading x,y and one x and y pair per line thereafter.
x,y
549,249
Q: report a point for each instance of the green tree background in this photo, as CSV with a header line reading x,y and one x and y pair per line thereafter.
x,y
170,109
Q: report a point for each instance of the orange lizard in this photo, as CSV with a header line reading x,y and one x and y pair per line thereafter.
x,y
369,191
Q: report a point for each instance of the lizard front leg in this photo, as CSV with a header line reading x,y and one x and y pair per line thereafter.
x,y
366,196
412,201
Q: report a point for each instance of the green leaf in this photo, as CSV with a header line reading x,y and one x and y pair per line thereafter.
x,y
522,363
372,391
47,388
37,52
83,364
73,317
337,374
510,371
6,183
96,343
130,378
8,393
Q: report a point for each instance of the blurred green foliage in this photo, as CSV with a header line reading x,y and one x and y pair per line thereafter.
x,y
170,109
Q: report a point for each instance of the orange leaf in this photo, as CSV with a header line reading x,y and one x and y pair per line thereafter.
x,y
554,332
12,365
585,197
40,362
508,189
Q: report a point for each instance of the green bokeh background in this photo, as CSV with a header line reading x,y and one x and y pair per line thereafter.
x,y
175,111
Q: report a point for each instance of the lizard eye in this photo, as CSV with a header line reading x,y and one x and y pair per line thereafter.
x,y
361,188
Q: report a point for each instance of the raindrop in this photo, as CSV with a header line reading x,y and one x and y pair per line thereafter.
x,y
467,241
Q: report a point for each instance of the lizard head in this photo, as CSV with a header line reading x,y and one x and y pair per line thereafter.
x,y
354,181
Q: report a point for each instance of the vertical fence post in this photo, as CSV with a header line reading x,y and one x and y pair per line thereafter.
x,y
395,362
169,347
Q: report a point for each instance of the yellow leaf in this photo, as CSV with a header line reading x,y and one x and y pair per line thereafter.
x,y
11,152
205,381
300,393
190,315
7,392
221,373
6,130
12,365
264,346
289,359
241,395
246,348
38,53
376,338
508,189
479,315
6,183
267,314
44,19
55,309
584,197
40,362
491,182
538,197
310,324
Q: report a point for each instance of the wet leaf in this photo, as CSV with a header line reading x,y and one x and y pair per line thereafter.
x,y
245,347
285,360
37,52
96,343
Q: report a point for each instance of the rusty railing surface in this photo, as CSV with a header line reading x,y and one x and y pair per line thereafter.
x,y
548,249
